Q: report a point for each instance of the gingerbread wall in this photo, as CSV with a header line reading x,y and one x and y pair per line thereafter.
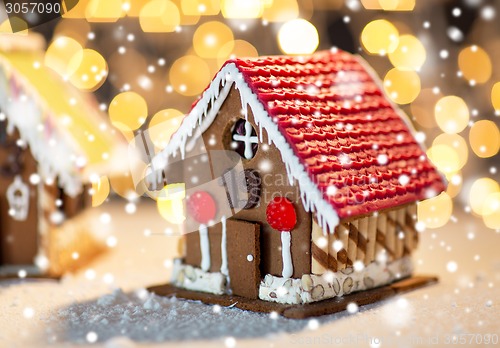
x,y
18,239
268,162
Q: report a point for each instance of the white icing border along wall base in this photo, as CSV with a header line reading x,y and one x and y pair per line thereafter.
x,y
310,288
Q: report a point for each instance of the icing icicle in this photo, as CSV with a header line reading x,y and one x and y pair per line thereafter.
x,y
205,248
223,248
286,254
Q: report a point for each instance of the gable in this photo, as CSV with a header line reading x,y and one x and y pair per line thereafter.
x,y
350,151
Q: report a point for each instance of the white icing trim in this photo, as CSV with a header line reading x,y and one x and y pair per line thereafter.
x,y
25,112
223,248
200,116
313,288
205,248
286,255
195,279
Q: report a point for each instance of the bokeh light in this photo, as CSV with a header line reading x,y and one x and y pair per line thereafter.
x,y
389,5
298,36
409,55
402,86
64,55
281,11
91,72
123,185
445,158
77,11
159,16
128,111
495,96
100,190
452,114
491,214
104,10
238,48
170,203
189,75
210,37
435,212
162,125
475,64
380,37
457,143
242,8
484,138
479,190
200,7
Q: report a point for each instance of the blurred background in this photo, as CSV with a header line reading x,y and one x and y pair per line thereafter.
x,y
148,60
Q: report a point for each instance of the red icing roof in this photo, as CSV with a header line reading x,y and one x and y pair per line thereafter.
x,y
353,143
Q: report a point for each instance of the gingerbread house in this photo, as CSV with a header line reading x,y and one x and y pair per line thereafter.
x,y
329,171
53,139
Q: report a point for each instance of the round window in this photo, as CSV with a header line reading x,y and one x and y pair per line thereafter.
x,y
244,139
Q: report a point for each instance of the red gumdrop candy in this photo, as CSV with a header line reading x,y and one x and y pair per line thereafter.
x,y
201,206
281,214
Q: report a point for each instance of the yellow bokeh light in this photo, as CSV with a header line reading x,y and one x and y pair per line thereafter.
x,y
76,12
123,185
104,10
128,111
298,36
281,11
170,203
402,86
380,37
389,5
159,16
162,125
457,143
189,75
475,64
64,55
491,213
200,7
100,190
452,114
132,8
91,72
238,48
495,96
445,158
484,138
409,55
242,8
435,212
210,37
479,190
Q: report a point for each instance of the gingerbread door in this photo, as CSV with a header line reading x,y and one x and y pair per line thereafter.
x,y
243,257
